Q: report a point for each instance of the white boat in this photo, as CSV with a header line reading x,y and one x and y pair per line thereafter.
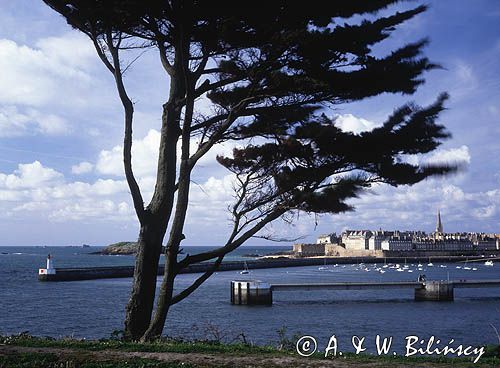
x,y
246,270
420,265
459,267
442,266
324,267
430,264
488,263
474,269
381,271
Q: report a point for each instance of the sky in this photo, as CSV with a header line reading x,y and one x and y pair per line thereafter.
x,y
61,131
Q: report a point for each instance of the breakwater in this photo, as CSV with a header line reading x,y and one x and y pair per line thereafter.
x,y
92,273
256,292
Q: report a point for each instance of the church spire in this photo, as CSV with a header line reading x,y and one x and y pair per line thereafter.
x,y
439,225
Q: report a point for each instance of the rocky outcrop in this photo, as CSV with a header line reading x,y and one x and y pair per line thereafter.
x,y
121,248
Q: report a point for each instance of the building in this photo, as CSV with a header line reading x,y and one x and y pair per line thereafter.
x,y
327,239
356,239
398,241
378,236
366,242
309,250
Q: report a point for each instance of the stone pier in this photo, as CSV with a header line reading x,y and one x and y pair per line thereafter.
x,y
435,291
251,292
255,292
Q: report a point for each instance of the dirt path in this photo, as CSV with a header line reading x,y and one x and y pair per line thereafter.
x,y
210,360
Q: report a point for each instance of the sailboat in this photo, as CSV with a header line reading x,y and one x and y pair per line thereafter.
x,y
405,267
430,264
465,266
245,270
324,267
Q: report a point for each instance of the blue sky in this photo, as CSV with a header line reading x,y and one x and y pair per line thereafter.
x,y
61,180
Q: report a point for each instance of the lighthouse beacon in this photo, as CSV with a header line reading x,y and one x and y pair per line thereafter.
x,y
50,270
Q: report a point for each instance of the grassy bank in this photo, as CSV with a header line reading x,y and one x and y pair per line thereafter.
x,y
28,351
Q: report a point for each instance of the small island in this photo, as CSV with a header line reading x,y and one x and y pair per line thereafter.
x,y
121,248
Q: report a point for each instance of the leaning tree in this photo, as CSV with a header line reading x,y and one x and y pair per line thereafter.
x,y
271,77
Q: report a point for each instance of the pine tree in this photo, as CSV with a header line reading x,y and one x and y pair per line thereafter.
x,y
272,77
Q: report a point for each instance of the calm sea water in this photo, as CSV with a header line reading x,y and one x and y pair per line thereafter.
x,y
95,308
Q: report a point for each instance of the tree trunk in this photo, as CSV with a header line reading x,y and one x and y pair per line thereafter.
x,y
164,302
140,305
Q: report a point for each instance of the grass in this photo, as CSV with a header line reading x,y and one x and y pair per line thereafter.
x,y
158,346
75,360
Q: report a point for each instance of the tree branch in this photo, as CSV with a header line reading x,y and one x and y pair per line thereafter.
x,y
201,257
127,140
197,283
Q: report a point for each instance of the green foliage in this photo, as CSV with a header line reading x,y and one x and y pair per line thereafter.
x,y
286,342
286,347
492,351
158,345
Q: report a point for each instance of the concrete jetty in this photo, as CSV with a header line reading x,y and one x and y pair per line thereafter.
x,y
256,292
91,273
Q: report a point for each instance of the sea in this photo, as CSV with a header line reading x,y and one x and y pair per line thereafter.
x,y
95,309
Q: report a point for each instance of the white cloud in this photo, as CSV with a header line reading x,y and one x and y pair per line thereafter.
x,y
73,49
52,124
414,207
459,155
36,76
351,123
89,209
57,74
14,123
484,212
30,176
82,168
144,157
215,191
10,195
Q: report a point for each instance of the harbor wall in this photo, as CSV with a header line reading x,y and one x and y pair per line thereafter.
x,y
334,250
90,273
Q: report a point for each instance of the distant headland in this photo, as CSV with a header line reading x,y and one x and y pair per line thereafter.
x,y
120,248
